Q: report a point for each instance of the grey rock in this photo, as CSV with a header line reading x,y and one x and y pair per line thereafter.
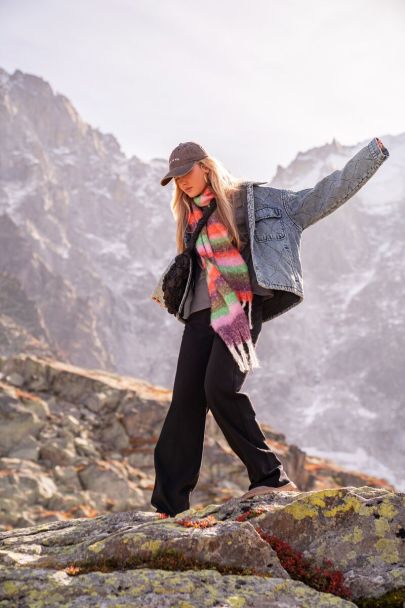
x,y
15,379
17,423
27,449
60,450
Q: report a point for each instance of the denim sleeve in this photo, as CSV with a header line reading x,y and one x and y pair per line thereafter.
x,y
305,207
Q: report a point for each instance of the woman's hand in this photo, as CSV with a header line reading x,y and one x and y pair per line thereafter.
x,y
380,144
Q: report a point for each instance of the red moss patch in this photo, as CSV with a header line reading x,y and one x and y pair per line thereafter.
x,y
322,578
206,522
250,513
73,570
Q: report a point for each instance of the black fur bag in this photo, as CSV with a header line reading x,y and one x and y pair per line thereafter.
x,y
179,274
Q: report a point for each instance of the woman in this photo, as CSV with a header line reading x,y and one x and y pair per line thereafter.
x,y
248,273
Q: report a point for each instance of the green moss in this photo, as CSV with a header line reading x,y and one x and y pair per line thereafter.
x,y
397,573
388,550
132,537
160,559
41,598
236,601
311,503
283,586
299,510
392,599
172,559
322,550
350,503
335,601
318,497
151,545
97,547
354,536
382,526
208,510
10,588
387,510
351,555
317,501
187,513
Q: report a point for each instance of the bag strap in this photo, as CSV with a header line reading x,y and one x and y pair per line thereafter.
x,y
200,224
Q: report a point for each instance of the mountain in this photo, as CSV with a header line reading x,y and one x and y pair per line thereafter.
x,y
77,442
73,238
348,350
82,231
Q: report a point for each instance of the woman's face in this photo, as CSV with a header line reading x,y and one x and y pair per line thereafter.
x,y
193,182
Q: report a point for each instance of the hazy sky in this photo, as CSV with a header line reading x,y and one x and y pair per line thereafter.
x,y
253,82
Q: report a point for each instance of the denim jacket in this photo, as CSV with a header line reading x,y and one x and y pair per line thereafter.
x,y
276,218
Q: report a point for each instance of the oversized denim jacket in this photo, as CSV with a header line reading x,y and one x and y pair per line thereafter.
x,y
276,218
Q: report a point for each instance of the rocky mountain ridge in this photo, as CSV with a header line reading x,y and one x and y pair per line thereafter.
x,y
76,442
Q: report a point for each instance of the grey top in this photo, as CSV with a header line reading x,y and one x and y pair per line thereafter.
x,y
199,298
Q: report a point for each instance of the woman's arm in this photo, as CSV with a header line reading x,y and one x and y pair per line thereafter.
x,y
305,207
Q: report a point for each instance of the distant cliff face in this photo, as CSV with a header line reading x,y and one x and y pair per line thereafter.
x,y
85,232
345,341
338,547
76,442
78,226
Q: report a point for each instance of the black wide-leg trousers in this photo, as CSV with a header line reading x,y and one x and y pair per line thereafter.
x,y
207,377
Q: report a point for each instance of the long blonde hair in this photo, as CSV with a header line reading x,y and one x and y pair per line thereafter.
x,y
224,184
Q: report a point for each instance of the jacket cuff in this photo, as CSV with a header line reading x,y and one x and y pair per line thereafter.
x,y
375,150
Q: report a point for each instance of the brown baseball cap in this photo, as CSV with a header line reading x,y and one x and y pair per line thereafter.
x,y
182,159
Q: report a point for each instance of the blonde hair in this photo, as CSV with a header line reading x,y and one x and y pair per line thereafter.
x,y
224,184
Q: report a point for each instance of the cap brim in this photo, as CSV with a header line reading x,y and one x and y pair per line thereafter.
x,y
177,172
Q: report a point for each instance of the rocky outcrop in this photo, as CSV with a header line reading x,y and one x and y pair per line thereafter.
x,y
333,547
78,443
157,588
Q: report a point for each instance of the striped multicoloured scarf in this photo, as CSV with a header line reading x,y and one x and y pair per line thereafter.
x,y
228,281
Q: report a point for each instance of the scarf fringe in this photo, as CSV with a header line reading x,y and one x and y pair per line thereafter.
x,y
244,362
249,311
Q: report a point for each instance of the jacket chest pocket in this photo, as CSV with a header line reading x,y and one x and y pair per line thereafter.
x,y
268,224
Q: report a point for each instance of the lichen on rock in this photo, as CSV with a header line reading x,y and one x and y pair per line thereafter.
x,y
276,547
